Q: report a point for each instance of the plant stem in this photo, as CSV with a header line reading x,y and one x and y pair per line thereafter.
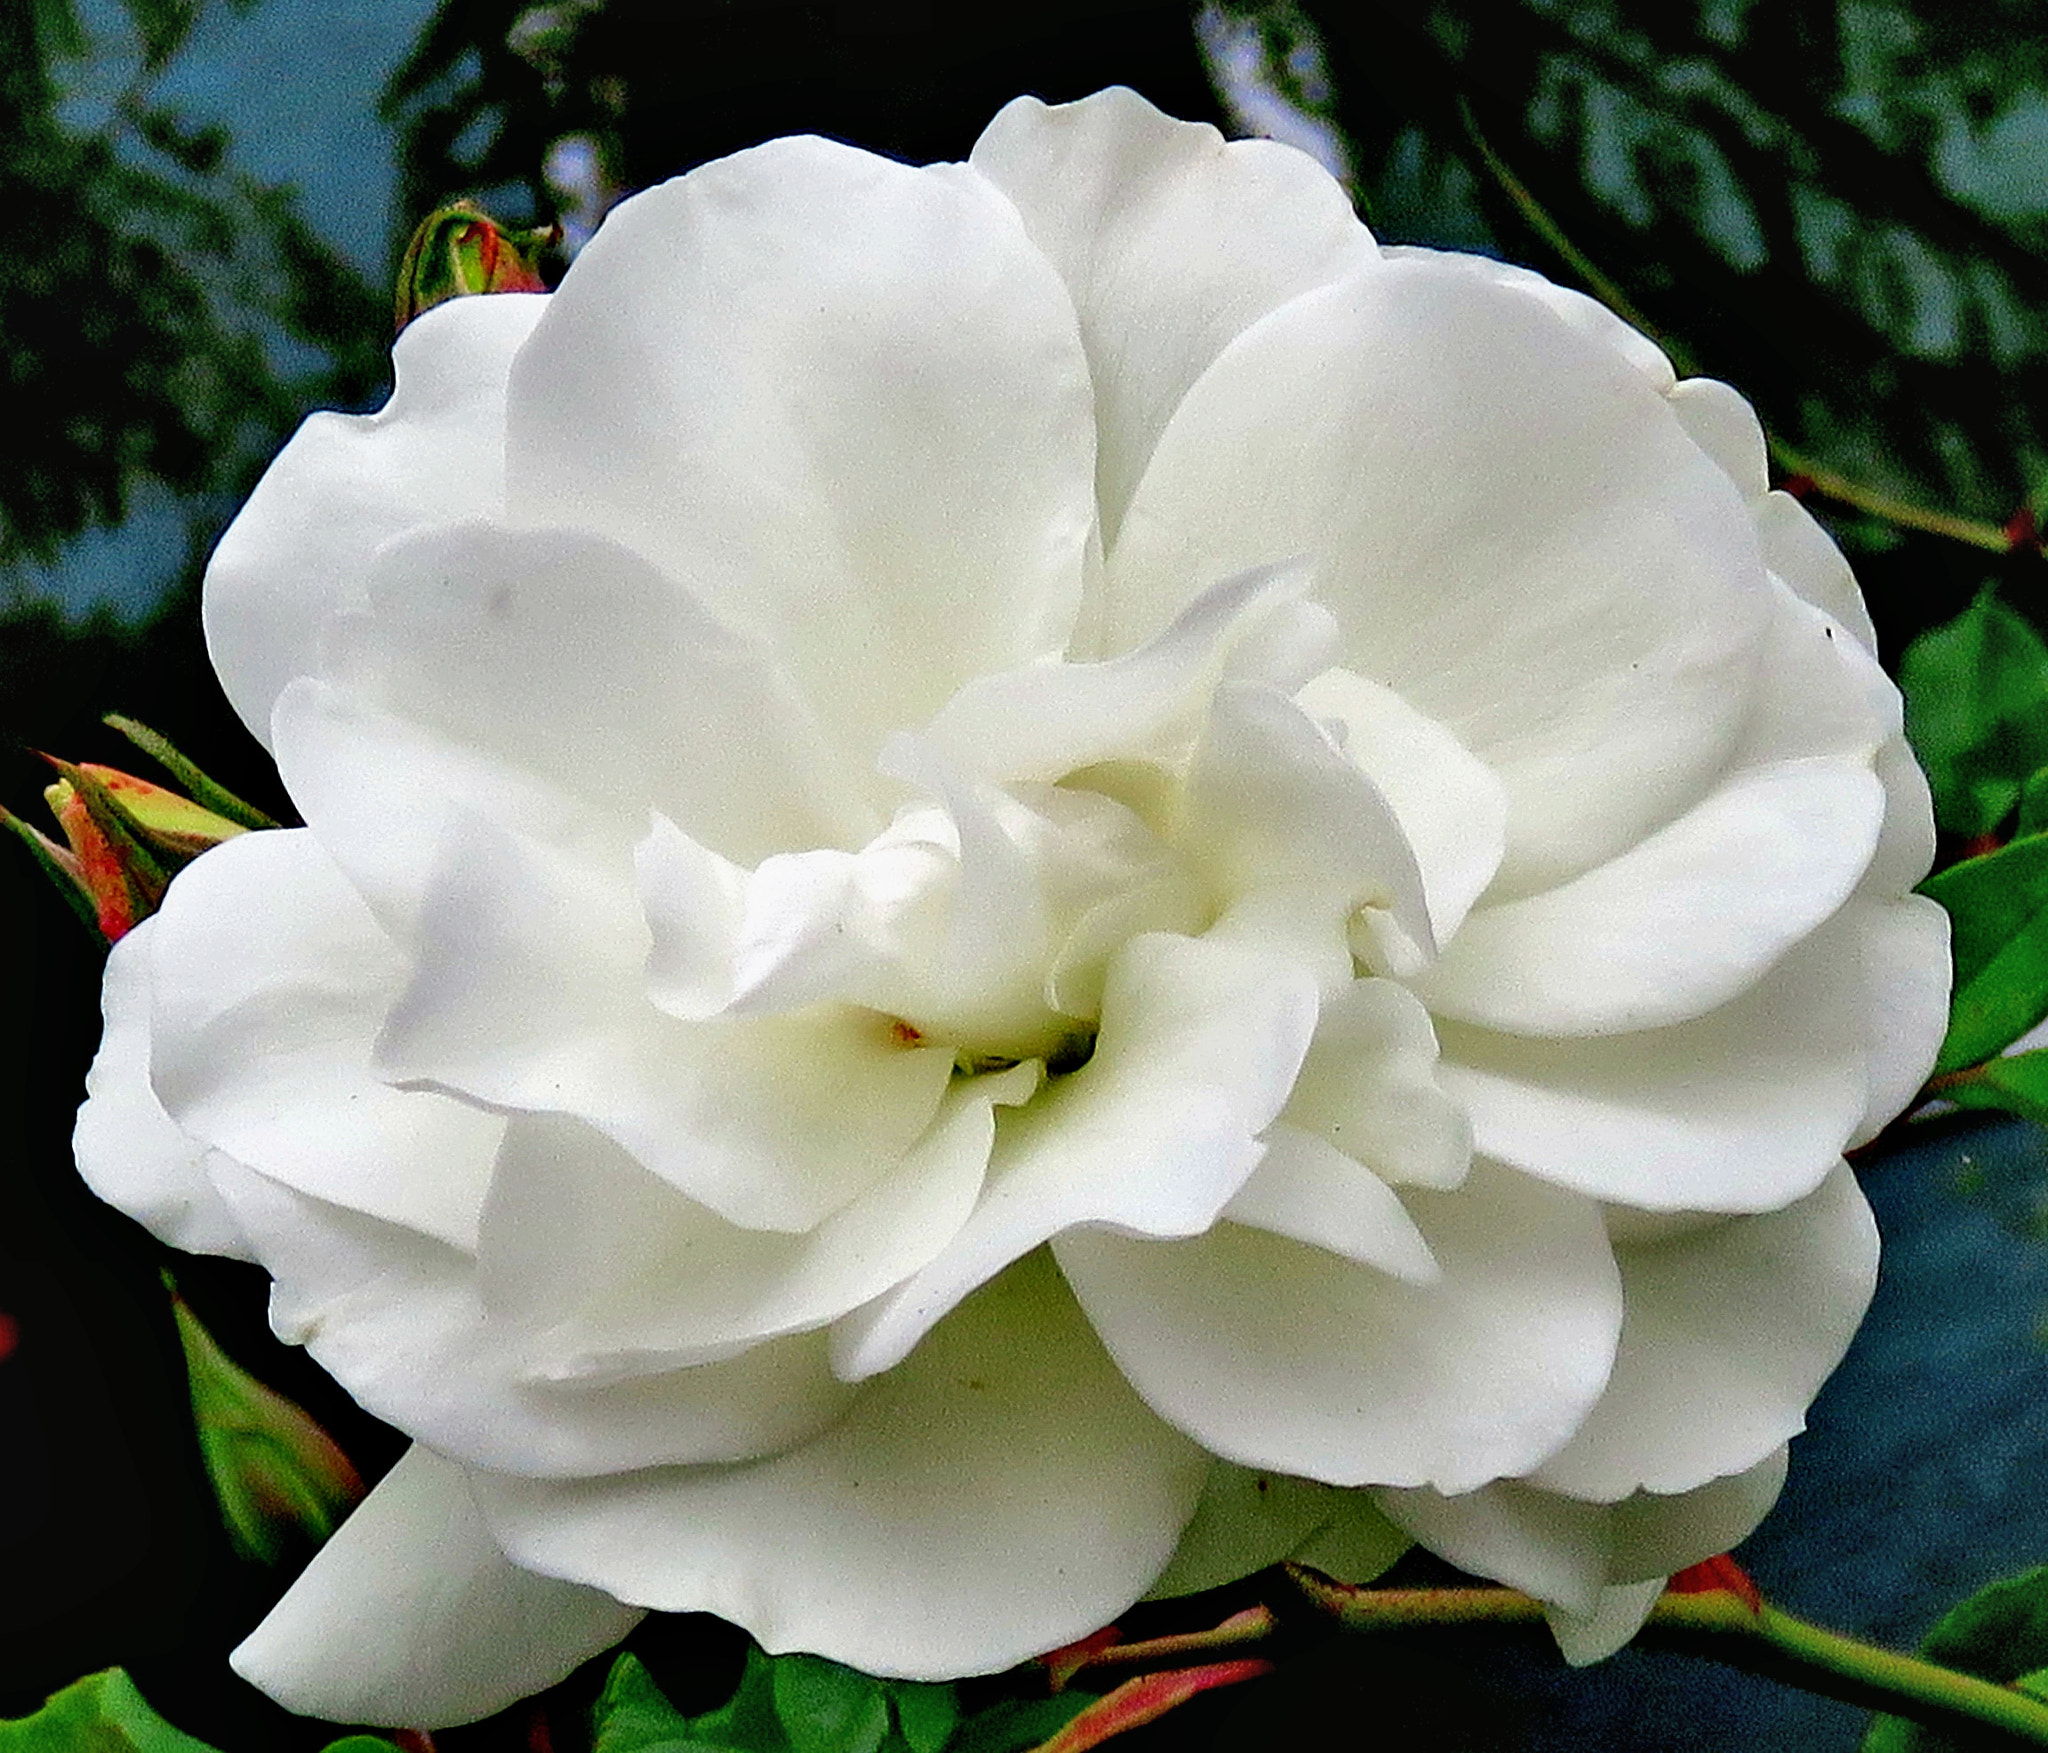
x,y
1722,1626
1830,485
1253,1625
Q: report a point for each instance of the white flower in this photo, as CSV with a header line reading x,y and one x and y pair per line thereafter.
x,y
1020,878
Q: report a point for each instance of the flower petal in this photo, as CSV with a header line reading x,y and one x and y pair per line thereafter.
x,y
1583,1639
1272,1354
130,1152
1728,1333
1369,1087
1269,799
528,994
1309,1191
1545,1544
1043,721
1000,1494
381,793
1751,871
621,1275
397,1319
270,979
1655,1535
845,400
347,483
410,1617
1449,803
1906,976
1804,555
1171,242
1154,1135
1509,522
1768,855
570,657
1741,1109
1722,424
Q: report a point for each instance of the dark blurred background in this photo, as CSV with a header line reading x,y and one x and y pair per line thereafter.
x,y
1839,205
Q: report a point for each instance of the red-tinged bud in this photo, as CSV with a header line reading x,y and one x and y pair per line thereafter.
x,y
127,837
2023,529
460,250
10,1336
1719,1575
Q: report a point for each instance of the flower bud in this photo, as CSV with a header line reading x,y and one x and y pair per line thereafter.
x,y
125,838
458,250
278,1477
1718,1575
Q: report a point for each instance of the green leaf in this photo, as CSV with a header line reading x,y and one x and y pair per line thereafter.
x,y
748,1720
2033,806
926,1715
2018,1085
103,1713
2000,1633
1998,907
826,1707
1977,712
635,1717
360,1744
1019,1723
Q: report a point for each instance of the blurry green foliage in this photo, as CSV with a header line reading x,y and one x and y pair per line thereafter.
x,y
805,1704
1977,713
105,1713
164,319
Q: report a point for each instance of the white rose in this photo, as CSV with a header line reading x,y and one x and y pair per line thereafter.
x,y
1026,880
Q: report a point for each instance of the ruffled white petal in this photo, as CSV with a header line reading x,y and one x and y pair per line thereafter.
x,y
1545,1544
1803,554
1000,1494
564,655
1153,1136
1045,720
1741,1109
1484,491
269,980
1729,1332
527,994
618,1274
1725,426
1369,1088
1272,1354
1269,799
398,1320
1585,315
1906,979
348,483
1170,240
1583,1639
844,401
1572,1554
1654,1535
1310,1191
1449,803
1751,872
130,1152
410,1617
